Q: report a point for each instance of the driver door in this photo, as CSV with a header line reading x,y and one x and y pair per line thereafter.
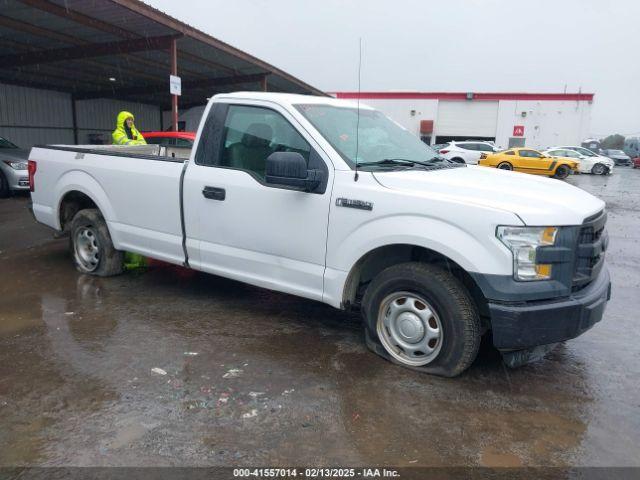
x,y
242,227
533,162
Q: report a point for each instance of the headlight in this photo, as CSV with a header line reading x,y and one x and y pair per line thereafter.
x,y
523,243
16,165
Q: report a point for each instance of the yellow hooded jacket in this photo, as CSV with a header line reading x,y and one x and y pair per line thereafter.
x,y
120,134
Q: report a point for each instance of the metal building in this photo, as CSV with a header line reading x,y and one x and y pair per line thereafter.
x,y
537,120
69,66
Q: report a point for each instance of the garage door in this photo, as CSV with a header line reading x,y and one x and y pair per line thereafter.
x,y
467,119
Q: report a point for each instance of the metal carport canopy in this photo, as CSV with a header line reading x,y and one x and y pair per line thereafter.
x,y
121,49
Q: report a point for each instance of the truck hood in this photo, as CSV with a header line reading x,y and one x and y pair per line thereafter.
x,y
14,154
536,200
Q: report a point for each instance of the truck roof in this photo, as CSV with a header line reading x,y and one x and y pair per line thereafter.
x,y
291,99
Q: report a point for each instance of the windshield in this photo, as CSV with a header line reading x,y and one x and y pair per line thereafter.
x,y
381,140
616,152
4,143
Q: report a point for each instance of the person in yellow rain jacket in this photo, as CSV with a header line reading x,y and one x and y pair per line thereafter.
x,y
126,132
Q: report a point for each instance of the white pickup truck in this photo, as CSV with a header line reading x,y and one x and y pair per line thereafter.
x,y
434,253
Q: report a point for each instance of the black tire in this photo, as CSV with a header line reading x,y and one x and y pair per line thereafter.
x,y
599,169
445,296
562,172
91,247
458,160
505,166
4,186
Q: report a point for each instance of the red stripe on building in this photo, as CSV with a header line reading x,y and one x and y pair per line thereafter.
x,y
463,96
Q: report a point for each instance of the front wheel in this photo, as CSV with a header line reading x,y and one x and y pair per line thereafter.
x,y
421,317
505,166
562,172
599,169
91,247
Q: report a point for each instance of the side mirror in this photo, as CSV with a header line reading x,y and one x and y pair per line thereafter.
x,y
290,169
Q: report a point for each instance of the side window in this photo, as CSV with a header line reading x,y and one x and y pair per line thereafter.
x,y
509,152
251,134
483,147
468,146
529,154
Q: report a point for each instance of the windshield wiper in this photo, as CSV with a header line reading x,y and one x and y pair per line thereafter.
x,y
388,162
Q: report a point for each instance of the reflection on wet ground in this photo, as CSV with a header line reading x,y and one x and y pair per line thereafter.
x,y
173,367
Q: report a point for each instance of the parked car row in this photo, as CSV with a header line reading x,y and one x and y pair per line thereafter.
x,y
557,161
531,161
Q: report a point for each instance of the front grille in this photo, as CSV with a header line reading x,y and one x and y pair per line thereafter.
x,y
592,244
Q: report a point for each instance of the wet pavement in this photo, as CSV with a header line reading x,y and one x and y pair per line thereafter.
x,y
173,367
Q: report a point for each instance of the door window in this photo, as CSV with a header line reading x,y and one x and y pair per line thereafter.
x,y
251,134
484,147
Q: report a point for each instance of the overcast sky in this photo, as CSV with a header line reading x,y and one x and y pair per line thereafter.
x,y
443,45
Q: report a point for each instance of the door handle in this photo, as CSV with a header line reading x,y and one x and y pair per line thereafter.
x,y
214,193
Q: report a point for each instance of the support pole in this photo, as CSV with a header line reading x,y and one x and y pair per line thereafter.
x,y
263,83
74,120
174,71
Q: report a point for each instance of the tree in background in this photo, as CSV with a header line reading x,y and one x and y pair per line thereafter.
x,y
613,142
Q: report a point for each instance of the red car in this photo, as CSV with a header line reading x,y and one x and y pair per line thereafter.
x,y
170,139
636,162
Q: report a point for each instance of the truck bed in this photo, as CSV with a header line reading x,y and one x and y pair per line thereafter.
x,y
137,189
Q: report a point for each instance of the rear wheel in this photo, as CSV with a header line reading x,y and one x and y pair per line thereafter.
x,y
4,186
562,172
91,247
421,317
505,166
599,169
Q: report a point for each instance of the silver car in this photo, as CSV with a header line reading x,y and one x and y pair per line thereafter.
x,y
13,168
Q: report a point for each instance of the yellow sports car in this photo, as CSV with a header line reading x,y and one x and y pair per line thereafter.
x,y
527,160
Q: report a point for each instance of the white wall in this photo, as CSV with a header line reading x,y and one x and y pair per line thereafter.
x,y
547,123
191,117
400,111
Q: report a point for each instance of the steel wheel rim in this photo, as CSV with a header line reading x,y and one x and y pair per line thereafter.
x,y
598,169
87,248
409,329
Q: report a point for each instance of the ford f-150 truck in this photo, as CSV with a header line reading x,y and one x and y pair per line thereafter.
x,y
335,202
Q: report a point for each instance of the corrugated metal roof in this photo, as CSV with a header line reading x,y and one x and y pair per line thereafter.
x,y
31,26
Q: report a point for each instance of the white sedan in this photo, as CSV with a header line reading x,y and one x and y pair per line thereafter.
x,y
466,152
592,163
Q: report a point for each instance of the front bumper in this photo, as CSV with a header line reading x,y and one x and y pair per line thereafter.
x,y
529,324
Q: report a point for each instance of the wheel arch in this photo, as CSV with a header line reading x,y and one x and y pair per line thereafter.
x,y
78,190
377,259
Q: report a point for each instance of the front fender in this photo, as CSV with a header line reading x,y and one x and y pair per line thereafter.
x,y
462,247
